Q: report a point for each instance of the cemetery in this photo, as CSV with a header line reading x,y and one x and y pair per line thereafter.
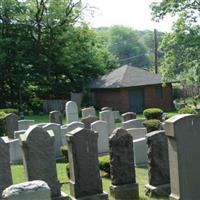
x,y
99,100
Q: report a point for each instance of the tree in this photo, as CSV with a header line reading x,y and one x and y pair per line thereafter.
x,y
124,43
181,47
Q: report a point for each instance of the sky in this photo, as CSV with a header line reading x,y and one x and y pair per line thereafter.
x,y
132,13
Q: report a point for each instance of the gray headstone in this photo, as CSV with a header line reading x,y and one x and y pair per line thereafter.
x,y
183,145
128,116
69,127
11,124
33,190
16,155
71,112
55,117
39,157
25,124
123,181
101,127
56,128
87,121
5,170
108,117
17,133
85,177
90,111
133,123
158,165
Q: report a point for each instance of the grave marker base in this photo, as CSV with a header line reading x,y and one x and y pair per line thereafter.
x,y
157,191
102,196
174,197
62,197
128,191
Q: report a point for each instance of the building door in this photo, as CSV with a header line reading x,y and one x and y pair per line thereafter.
x,y
136,100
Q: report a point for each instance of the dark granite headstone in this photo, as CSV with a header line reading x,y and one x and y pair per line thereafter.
x,y
11,124
55,117
158,165
128,116
183,134
85,180
39,158
123,181
87,121
5,170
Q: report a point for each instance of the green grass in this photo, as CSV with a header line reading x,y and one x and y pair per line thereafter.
x,y
141,177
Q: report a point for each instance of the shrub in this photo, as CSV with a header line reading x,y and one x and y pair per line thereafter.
x,y
152,125
64,151
9,110
153,113
187,110
104,164
2,126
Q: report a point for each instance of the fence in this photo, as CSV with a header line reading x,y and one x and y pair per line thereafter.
x,y
187,91
50,105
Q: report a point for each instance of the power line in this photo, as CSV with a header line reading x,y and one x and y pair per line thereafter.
x,y
133,57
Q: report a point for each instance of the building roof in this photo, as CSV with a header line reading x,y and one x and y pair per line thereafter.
x,y
126,76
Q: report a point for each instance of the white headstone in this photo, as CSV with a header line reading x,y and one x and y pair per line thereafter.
x,y
101,127
108,117
137,133
90,111
69,127
133,123
71,112
33,190
17,133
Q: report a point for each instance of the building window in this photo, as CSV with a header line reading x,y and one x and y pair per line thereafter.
x,y
159,92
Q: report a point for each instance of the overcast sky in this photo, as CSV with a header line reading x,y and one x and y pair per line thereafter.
x,y
132,13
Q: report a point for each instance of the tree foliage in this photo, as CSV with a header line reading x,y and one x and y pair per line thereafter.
x,y
46,51
181,47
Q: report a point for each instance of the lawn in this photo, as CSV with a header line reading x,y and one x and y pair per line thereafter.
x,y
45,118
141,175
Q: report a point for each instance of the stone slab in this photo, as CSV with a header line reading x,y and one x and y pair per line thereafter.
x,y
128,191
157,191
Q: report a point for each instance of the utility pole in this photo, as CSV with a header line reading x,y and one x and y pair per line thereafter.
x,y
156,50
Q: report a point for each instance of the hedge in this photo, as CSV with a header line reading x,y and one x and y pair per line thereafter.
x,y
9,110
152,125
153,113
187,110
2,125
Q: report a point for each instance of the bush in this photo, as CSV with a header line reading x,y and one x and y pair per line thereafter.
x,y
187,110
153,113
9,110
152,125
104,164
64,151
2,126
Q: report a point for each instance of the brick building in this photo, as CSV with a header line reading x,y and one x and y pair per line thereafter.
x,y
132,89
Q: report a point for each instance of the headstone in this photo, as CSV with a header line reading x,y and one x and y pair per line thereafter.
x,y
133,123
71,112
11,124
69,127
108,117
56,128
101,127
106,108
85,180
33,190
55,117
25,124
90,111
87,121
116,115
17,133
140,152
183,146
123,180
137,133
5,170
39,158
158,165
16,154
128,116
